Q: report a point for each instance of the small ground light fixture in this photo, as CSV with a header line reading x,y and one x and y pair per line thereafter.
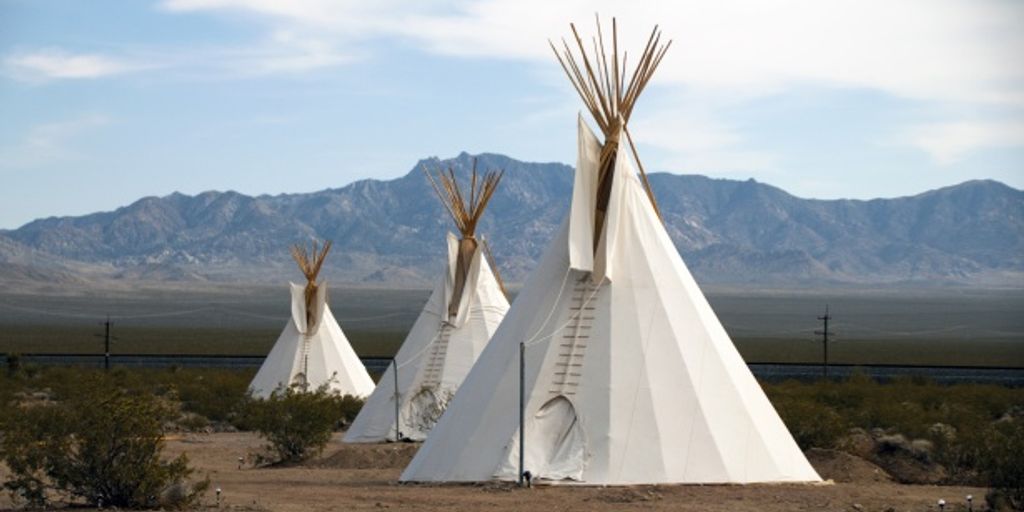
x,y
241,460
942,504
970,503
218,496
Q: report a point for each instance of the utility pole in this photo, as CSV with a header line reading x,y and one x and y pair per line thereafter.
x,y
107,338
106,344
824,341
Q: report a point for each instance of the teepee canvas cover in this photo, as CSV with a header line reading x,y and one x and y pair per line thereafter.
x,y
463,311
312,350
629,376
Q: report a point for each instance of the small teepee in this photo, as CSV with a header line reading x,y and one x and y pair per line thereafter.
x,y
627,375
312,351
464,309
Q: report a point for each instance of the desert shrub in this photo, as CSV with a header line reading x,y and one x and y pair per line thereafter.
x,y
955,419
350,407
1003,464
13,364
813,425
214,393
100,444
297,424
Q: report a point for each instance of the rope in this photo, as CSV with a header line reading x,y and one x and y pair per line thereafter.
x,y
436,337
572,317
551,313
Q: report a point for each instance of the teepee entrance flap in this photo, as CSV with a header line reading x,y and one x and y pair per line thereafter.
x,y
556,445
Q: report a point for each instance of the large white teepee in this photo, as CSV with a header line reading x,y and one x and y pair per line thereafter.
x,y
463,311
629,376
312,350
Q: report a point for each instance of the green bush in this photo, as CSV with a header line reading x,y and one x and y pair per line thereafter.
x,y
958,420
216,394
812,425
297,424
1003,464
101,444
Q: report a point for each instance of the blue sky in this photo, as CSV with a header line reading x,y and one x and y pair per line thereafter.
x,y
104,102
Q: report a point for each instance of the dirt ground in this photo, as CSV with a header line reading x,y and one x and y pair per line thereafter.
x,y
364,477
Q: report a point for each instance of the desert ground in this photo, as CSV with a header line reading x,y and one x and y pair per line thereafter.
x,y
365,477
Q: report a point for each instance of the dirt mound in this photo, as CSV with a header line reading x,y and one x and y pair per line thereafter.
x,y
369,456
910,470
909,461
845,468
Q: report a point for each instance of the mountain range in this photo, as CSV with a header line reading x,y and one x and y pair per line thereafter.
x,y
391,233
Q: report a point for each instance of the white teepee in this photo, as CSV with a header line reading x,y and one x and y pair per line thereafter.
x,y
311,351
629,376
460,316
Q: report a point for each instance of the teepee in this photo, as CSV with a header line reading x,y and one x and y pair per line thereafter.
x,y
463,311
312,351
628,377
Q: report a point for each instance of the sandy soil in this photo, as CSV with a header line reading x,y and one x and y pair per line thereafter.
x,y
364,477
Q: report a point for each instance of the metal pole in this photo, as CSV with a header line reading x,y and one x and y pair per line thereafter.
x,y
522,409
394,367
824,341
106,345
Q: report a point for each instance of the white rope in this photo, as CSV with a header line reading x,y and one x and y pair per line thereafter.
x,y
409,360
568,322
558,298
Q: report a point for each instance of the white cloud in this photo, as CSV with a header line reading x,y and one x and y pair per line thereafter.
x,y
50,142
950,142
960,50
53,64
290,53
937,52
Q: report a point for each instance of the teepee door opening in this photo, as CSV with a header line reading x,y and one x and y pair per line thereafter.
x,y
423,410
556,435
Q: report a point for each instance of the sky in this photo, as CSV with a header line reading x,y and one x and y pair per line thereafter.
x,y
104,102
